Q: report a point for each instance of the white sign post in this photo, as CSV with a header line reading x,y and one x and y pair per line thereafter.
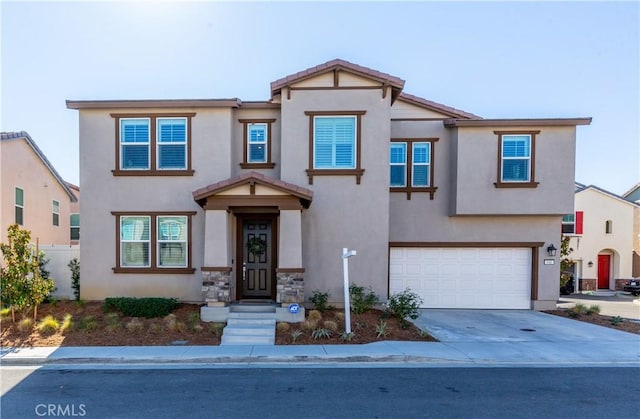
x,y
346,254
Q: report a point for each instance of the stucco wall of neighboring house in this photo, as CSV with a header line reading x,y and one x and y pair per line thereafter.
x,y
475,192
211,160
343,214
635,270
599,207
237,140
21,167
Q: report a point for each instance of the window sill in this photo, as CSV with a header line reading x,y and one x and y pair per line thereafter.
x,y
121,172
409,190
257,165
167,271
335,172
516,184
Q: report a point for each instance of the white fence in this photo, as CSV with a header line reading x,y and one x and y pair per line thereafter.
x,y
59,257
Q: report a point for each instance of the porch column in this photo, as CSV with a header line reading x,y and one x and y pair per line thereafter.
x,y
290,273
216,272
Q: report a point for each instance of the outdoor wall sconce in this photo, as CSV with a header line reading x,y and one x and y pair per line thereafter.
x,y
590,264
551,250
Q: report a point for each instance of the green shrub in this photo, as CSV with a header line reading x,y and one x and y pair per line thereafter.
x,y
321,333
320,301
347,336
362,299
113,321
404,305
295,335
5,313
216,328
48,325
67,323
141,307
74,265
593,309
88,323
616,320
25,324
381,329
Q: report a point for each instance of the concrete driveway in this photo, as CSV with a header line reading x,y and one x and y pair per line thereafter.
x,y
451,325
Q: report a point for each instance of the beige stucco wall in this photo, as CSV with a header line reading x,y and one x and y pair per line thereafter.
x,y
21,167
102,193
343,214
476,165
599,207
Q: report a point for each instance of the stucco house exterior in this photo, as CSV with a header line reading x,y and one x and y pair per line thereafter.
x,y
221,200
603,234
33,194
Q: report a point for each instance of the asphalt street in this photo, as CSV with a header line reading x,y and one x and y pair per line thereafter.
x,y
320,392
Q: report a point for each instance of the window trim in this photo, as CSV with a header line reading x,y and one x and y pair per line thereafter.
x,y
153,169
159,144
56,215
153,267
409,188
531,183
72,226
246,164
357,171
18,206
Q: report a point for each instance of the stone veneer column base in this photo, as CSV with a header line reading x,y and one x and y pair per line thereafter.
x,y
290,286
216,286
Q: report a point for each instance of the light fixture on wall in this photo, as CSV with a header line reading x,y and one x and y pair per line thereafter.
x,y
590,264
551,250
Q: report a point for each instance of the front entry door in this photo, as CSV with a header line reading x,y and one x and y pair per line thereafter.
x,y
604,267
257,258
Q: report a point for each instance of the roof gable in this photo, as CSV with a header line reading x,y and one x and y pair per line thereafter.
x,y
446,111
6,136
633,194
609,194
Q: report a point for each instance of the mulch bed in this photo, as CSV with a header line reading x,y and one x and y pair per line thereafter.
x,y
606,321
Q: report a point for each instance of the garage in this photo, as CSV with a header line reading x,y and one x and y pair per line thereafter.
x,y
463,277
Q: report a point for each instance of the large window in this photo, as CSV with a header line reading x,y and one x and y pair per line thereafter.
x,y
156,144
411,166
74,223
153,242
257,144
19,206
334,144
56,213
516,166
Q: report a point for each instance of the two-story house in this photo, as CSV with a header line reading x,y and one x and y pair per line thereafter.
x,y
603,233
34,195
223,200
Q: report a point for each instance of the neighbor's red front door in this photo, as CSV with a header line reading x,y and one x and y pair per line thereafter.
x,y
604,267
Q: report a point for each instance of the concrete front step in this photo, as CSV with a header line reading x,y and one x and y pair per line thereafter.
x,y
252,308
251,320
247,340
249,330
250,325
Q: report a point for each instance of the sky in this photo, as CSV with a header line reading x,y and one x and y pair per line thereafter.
x,y
493,59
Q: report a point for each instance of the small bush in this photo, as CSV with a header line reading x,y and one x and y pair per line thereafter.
x,y
320,301
67,323
339,316
5,313
141,307
134,325
74,265
169,322
321,333
216,328
423,334
362,299
295,335
193,319
593,309
309,324
615,321
347,336
314,315
48,325
25,324
88,323
577,310
404,305
283,326
81,303
381,329
113,321
331,325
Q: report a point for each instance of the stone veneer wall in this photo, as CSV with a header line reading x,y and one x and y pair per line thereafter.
x,y
620,283
290,287
216,288
588,284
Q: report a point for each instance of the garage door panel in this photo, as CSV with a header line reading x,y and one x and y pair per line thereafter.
x,y
464,277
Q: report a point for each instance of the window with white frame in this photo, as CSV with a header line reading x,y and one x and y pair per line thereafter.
x,y
516,158
74,223
172,143
56,213
134,144
398,163
257,139
19,206
421,159
172,241
568,224
411,165
135,241
334,142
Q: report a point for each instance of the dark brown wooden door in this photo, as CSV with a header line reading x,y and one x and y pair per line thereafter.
x,y
257,266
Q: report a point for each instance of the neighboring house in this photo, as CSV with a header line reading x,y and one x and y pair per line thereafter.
x,y
74,215
633,195
33,193
603,231
221,200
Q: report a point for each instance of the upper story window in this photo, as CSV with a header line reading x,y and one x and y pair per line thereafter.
x,y
572,223
608,227
411,166
257,144
334,144
516,152
74,223
56,213
19,206
153,242
155,144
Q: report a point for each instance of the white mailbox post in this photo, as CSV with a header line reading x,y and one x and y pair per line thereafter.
x,y
346,254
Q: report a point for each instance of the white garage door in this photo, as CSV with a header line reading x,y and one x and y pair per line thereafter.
x,y
463,277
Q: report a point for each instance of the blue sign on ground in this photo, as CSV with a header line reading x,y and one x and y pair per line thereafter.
x,y
294,308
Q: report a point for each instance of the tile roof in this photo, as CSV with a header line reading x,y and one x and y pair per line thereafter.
x,y
245,178
438,107
24,135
